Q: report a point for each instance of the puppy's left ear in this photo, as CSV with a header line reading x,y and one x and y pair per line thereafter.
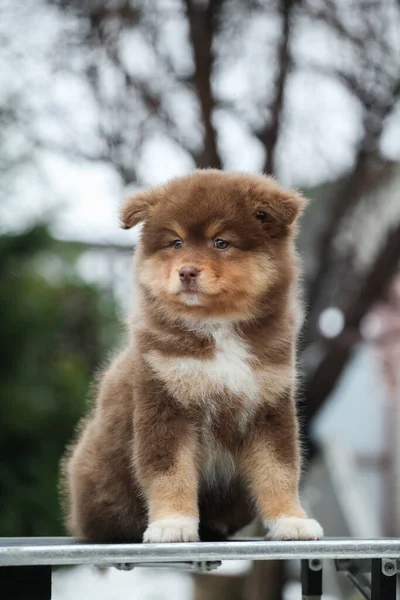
x,y
279,206
137,208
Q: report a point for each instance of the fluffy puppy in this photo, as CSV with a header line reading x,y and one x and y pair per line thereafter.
x,y
194,430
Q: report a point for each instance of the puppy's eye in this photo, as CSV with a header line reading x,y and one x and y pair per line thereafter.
x,y
177,244
220,244
261,215
264,217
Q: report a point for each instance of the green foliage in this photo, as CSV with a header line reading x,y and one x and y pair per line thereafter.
x,y
56,330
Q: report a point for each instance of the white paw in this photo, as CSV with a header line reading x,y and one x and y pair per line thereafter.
x,y
294,528
172,529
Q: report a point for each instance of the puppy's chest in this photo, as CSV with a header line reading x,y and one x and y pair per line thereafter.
x,y
227,370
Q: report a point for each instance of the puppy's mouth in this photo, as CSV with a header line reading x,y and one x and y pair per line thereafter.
x,y
192,288
190,292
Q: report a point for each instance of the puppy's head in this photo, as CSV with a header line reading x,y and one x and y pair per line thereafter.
x,y
214,244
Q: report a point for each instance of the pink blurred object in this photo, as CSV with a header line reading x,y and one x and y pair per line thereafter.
x,y
383,320
381,327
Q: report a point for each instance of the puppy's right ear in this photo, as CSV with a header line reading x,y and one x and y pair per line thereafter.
x,y
137,208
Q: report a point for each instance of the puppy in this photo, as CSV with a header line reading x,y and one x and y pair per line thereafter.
x,y
194,430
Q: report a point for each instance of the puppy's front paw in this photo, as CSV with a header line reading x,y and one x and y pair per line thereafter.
x,y
172,529
294,528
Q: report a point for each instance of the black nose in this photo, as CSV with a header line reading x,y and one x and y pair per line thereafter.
x,y
188,274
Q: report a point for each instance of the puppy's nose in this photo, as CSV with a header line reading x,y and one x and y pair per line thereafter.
x,y
188,274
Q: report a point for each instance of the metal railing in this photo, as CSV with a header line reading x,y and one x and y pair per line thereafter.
x,y
371,565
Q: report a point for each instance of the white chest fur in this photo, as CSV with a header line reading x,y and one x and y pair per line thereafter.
x,y
229,370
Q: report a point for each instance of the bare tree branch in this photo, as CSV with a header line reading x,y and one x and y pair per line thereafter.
x,y
368,173
337,352
203,23
270,133
329,12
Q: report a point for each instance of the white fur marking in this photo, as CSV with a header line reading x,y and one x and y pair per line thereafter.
x,y
172,529
228,370
293,528
190,299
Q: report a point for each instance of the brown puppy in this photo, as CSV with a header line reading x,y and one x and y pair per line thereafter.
x,y
194,430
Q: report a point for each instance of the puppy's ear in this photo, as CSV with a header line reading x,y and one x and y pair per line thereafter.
x,y
137,208
278,206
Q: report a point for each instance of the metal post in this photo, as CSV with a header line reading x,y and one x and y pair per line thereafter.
x,y
21,583
383,579
311,579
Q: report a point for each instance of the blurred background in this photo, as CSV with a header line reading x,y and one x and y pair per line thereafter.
x,y
102,97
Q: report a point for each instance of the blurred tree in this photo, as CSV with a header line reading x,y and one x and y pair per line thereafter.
x,y
55,331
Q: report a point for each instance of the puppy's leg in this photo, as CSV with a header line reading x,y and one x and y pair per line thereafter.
x,y
165,459
270,461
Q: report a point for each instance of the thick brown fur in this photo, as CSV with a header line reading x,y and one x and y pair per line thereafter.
x,y
196,418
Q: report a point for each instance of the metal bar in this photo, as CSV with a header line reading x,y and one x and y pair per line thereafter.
x,y
360,584
348,564
198,567
66,551
20,583
383,579
311,579
355,571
